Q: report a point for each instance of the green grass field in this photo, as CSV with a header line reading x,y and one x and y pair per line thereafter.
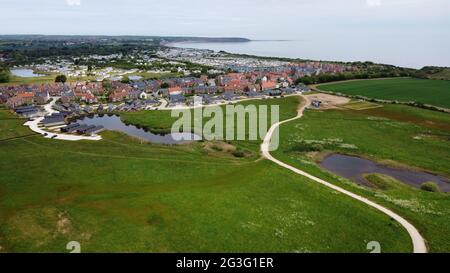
x,y
433,92
395,135
122,195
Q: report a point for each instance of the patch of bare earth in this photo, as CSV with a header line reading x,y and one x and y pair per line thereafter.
x,y
2,249
39,226
328,101
219,146
63,225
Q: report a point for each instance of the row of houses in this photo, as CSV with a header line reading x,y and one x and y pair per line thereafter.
x,y
27,98
82,129
29,111
231,83
89,93
232,96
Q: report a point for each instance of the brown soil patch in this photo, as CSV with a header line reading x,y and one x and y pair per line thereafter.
x,y
63,225
328,101
219,146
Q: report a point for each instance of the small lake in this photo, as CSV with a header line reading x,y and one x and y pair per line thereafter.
x,y
135,78
114,123
25,73
353,168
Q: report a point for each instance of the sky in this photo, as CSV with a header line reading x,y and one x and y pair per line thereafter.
x,y
421,27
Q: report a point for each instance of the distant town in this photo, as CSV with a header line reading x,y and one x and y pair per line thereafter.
x,y
51,88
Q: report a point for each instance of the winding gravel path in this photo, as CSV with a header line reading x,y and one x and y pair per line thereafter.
x,y
34,126
418,241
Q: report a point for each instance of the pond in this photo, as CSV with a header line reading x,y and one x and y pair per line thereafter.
x,y
25,73
135,78
353,168
114,123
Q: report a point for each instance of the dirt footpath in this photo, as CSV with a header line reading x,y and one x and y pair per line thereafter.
x,y
328,101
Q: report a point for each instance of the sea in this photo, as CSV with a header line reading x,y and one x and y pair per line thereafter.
x,y
405,55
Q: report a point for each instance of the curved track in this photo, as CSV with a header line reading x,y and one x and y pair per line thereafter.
x,y
418,241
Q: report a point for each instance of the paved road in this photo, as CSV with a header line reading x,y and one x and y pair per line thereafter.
x,y
418,241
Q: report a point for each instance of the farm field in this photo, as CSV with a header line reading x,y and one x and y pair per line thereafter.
x,y
120,194
433,92
395,135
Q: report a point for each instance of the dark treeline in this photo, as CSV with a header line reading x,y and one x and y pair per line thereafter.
x,y
364,70
433,72
24,52
4,74
325,78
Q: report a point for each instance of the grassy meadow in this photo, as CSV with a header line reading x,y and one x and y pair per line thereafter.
x,y
123,195
396,135
433,92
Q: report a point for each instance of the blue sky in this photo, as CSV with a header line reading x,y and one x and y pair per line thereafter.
x,y
419,23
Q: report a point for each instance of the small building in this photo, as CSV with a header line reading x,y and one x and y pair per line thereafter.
x,y
54,120
288,91
175,90
17,101
94,130
143,95
151,102
253,94
177,99
70,128
229,96
27,111
83,128
42,97
266,85
316,103
273,92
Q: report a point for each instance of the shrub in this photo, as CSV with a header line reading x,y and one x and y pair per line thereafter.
x,y
382,182
61,78
4,75
306,147
239,153
430,186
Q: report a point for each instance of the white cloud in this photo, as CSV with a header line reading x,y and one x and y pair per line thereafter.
x,y
73,2
373,3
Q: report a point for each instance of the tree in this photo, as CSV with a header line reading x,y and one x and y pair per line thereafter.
x,y
305,80
125,79
4,75
164,85
106,84
61,78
